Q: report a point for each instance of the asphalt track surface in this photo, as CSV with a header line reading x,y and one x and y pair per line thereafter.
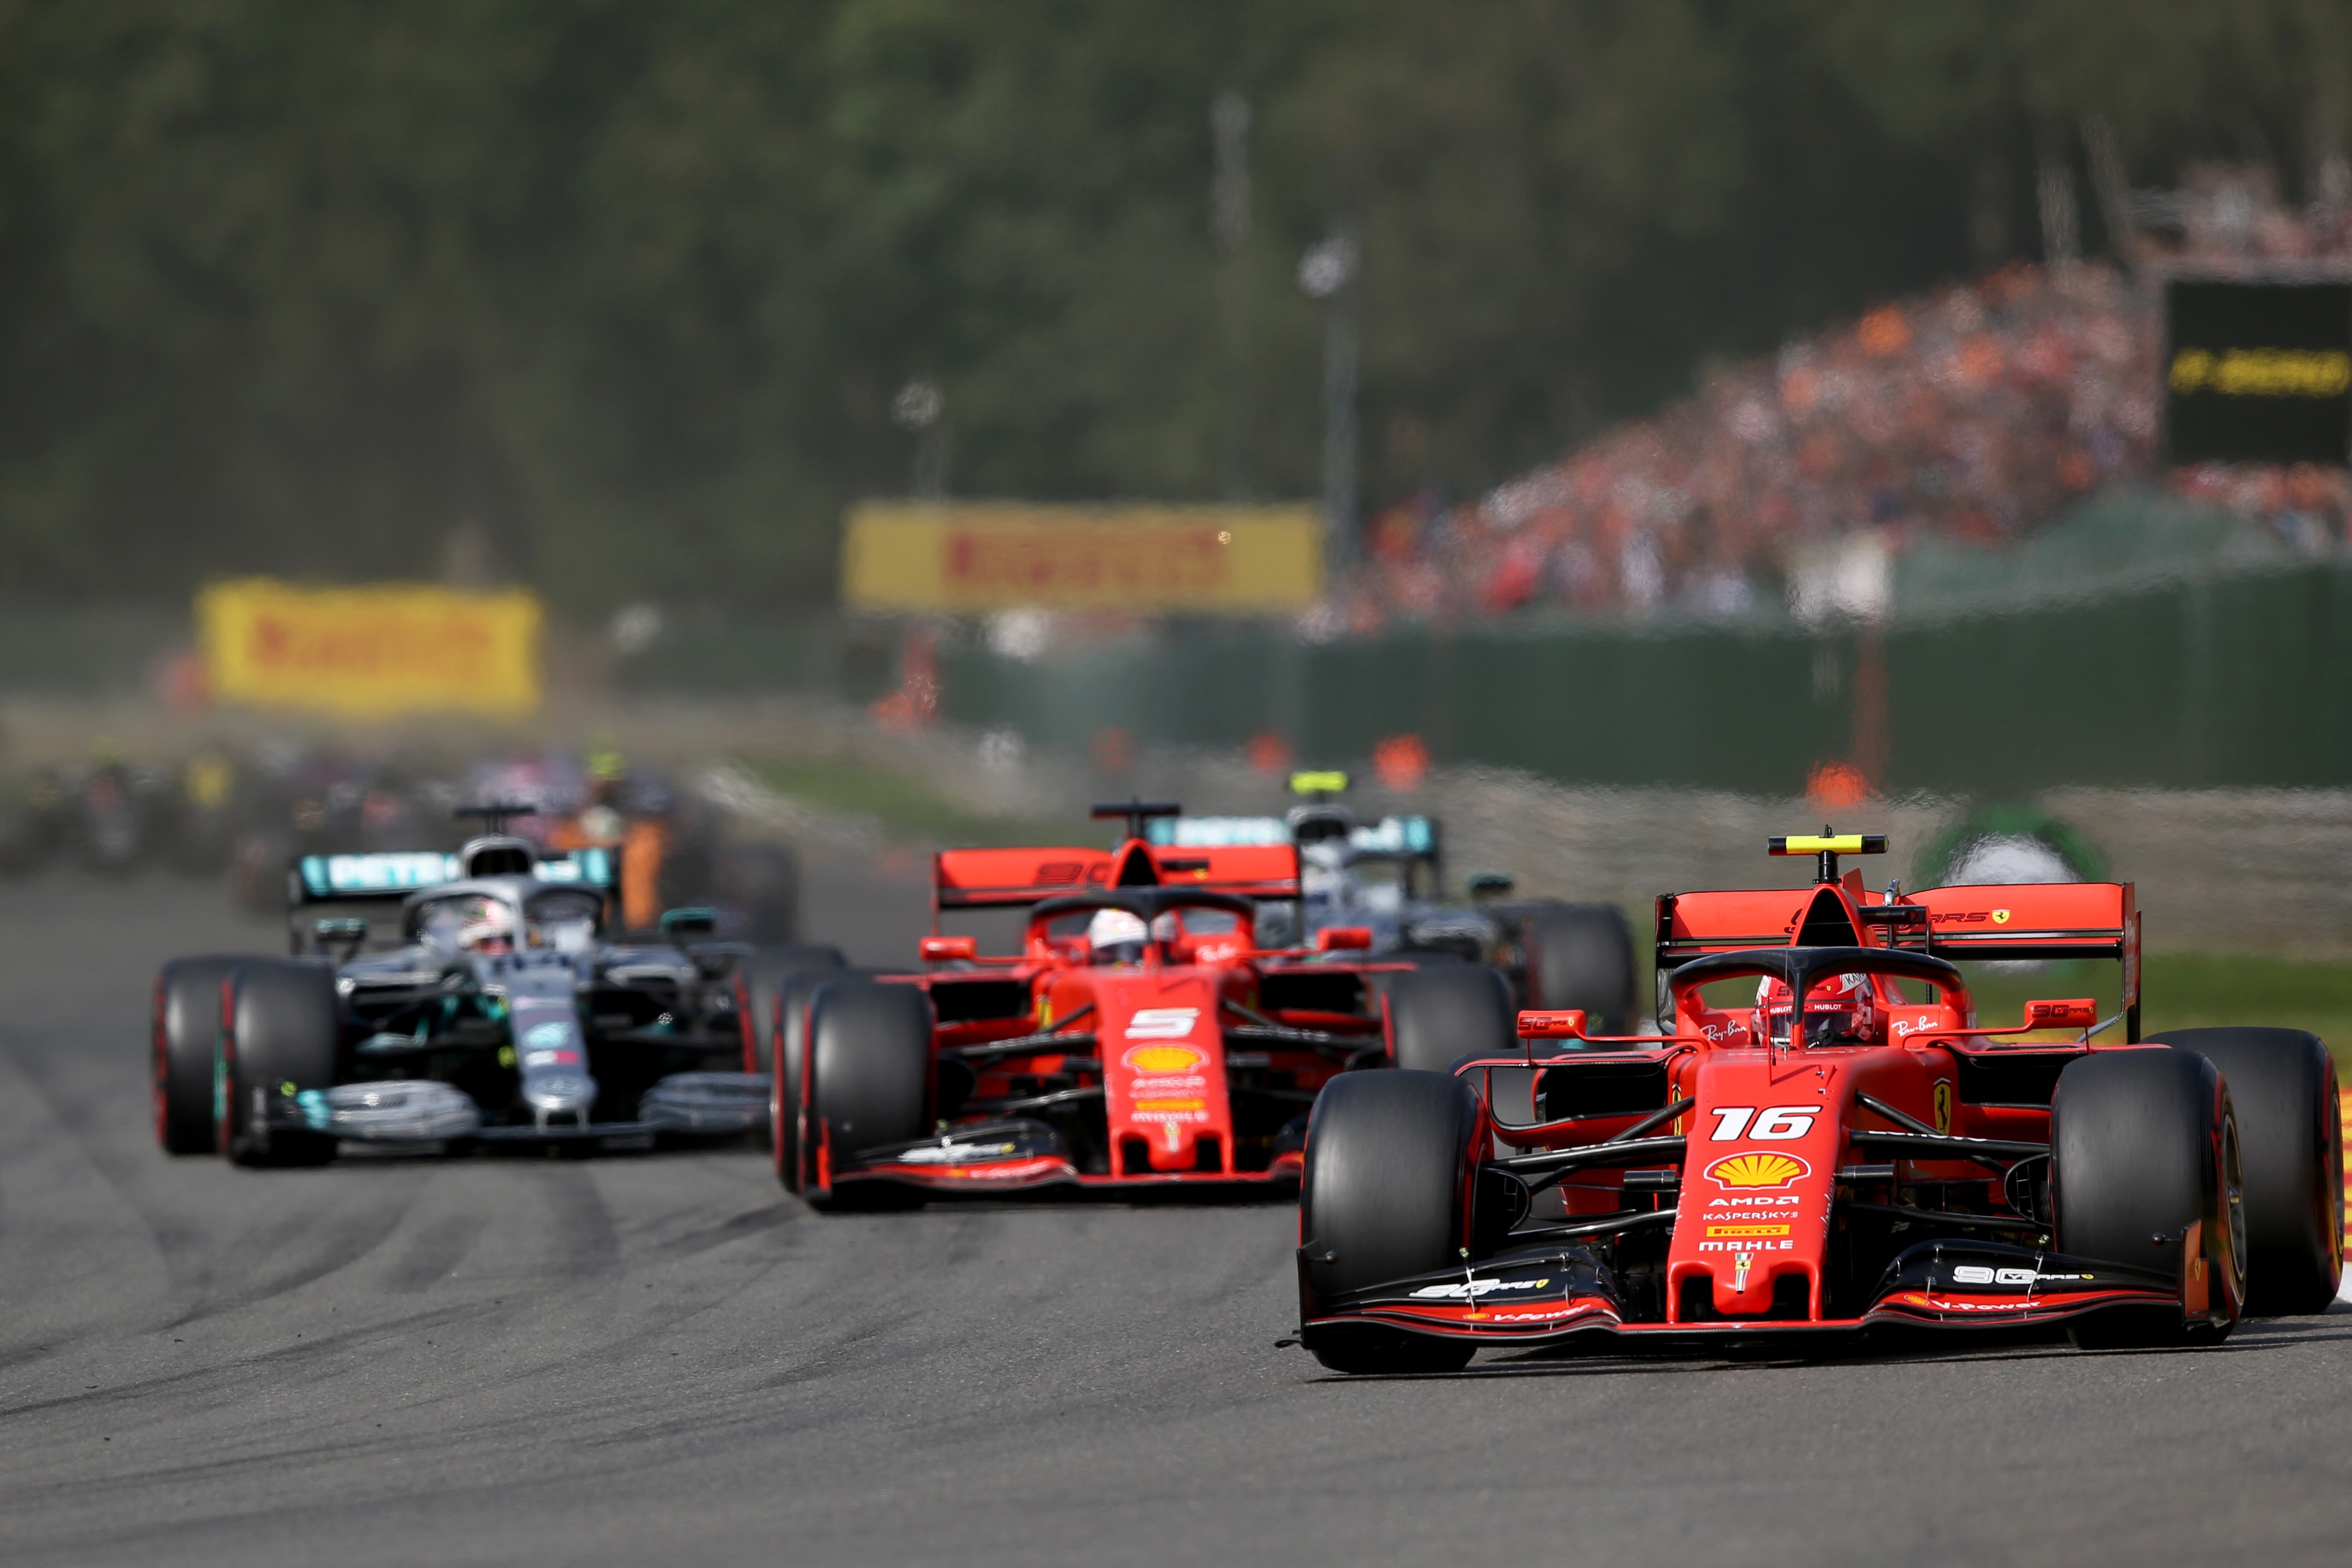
x,y
660,1358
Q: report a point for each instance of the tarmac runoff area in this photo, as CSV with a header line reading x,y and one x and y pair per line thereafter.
x,y
660,1357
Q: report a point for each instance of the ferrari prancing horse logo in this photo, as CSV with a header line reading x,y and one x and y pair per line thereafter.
x,y
1943,1103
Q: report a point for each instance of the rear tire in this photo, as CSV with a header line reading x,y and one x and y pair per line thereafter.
x,y
2291,1137
1382,1198
868,1067
284,1036
1445,1011
1581,956
186,1039
766,973
2142,1146
761,883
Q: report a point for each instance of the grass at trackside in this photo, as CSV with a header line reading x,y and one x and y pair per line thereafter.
x,y
2185,990
905,806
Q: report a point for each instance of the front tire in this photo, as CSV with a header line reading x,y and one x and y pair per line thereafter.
x,y
1383,1198
186,1039
868,1067
2143,1145
284,1036
2291,1131
788,1060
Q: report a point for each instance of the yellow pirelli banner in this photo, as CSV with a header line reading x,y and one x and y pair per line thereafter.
x,y
976,556
391,649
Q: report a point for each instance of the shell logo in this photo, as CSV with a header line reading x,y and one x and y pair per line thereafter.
x,y
1757,1170
1159,1058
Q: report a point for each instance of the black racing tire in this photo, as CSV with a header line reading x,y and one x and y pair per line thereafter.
x,y
284,1036
761,884
868,1068
1581,956
766,973
2290,1142
186,1045
1442,1012
1388,1161
2143,1144
788,1059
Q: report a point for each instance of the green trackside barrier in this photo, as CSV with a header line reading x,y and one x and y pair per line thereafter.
x,y
2238,678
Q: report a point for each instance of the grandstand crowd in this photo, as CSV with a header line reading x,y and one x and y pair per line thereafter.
x,y
1977,413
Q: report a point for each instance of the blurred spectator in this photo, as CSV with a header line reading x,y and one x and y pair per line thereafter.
x,y
1977,413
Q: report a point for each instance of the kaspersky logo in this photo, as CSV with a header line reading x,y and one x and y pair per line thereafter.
x,y
1757,1170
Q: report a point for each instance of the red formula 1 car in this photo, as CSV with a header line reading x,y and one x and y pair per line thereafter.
x,y
1138,1038
1829,1141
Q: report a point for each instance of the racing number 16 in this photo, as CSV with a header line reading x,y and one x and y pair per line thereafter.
x,y
1777,1123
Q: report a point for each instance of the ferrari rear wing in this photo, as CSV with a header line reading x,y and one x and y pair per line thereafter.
x,y
338,879
997,879
2014,922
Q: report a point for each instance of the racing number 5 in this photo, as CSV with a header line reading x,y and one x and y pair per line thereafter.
x,y
1778,1125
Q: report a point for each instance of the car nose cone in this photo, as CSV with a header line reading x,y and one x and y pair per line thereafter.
x,y
560,1091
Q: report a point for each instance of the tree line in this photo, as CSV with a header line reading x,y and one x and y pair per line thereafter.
x,y
614,297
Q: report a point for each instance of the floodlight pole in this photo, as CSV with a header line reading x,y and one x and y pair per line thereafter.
x,y
917,409
1229,226
1327,272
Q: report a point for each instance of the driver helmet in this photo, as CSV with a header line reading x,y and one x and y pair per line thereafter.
x,y
490,927
1844,1010
1115,936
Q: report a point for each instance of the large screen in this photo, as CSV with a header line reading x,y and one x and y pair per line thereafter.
x,y
2258,372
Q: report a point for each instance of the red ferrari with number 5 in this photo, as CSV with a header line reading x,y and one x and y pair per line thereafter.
x,y
1826,1140
1139,1037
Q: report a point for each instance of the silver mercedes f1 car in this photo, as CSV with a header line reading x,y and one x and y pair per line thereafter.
x,y
503,1014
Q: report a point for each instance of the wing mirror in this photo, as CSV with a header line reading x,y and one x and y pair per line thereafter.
x,y
2077,1012
1567,1023
1336,938
1489,884
947,949
676,925
348,934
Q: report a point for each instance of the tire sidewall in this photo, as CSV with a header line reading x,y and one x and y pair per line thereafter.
x,y
281,1025
1385,1191
2140,1145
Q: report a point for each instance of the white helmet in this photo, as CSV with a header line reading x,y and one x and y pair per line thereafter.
x,y
1115,936
489,928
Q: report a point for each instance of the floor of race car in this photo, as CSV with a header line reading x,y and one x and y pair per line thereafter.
x,y
655,1357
